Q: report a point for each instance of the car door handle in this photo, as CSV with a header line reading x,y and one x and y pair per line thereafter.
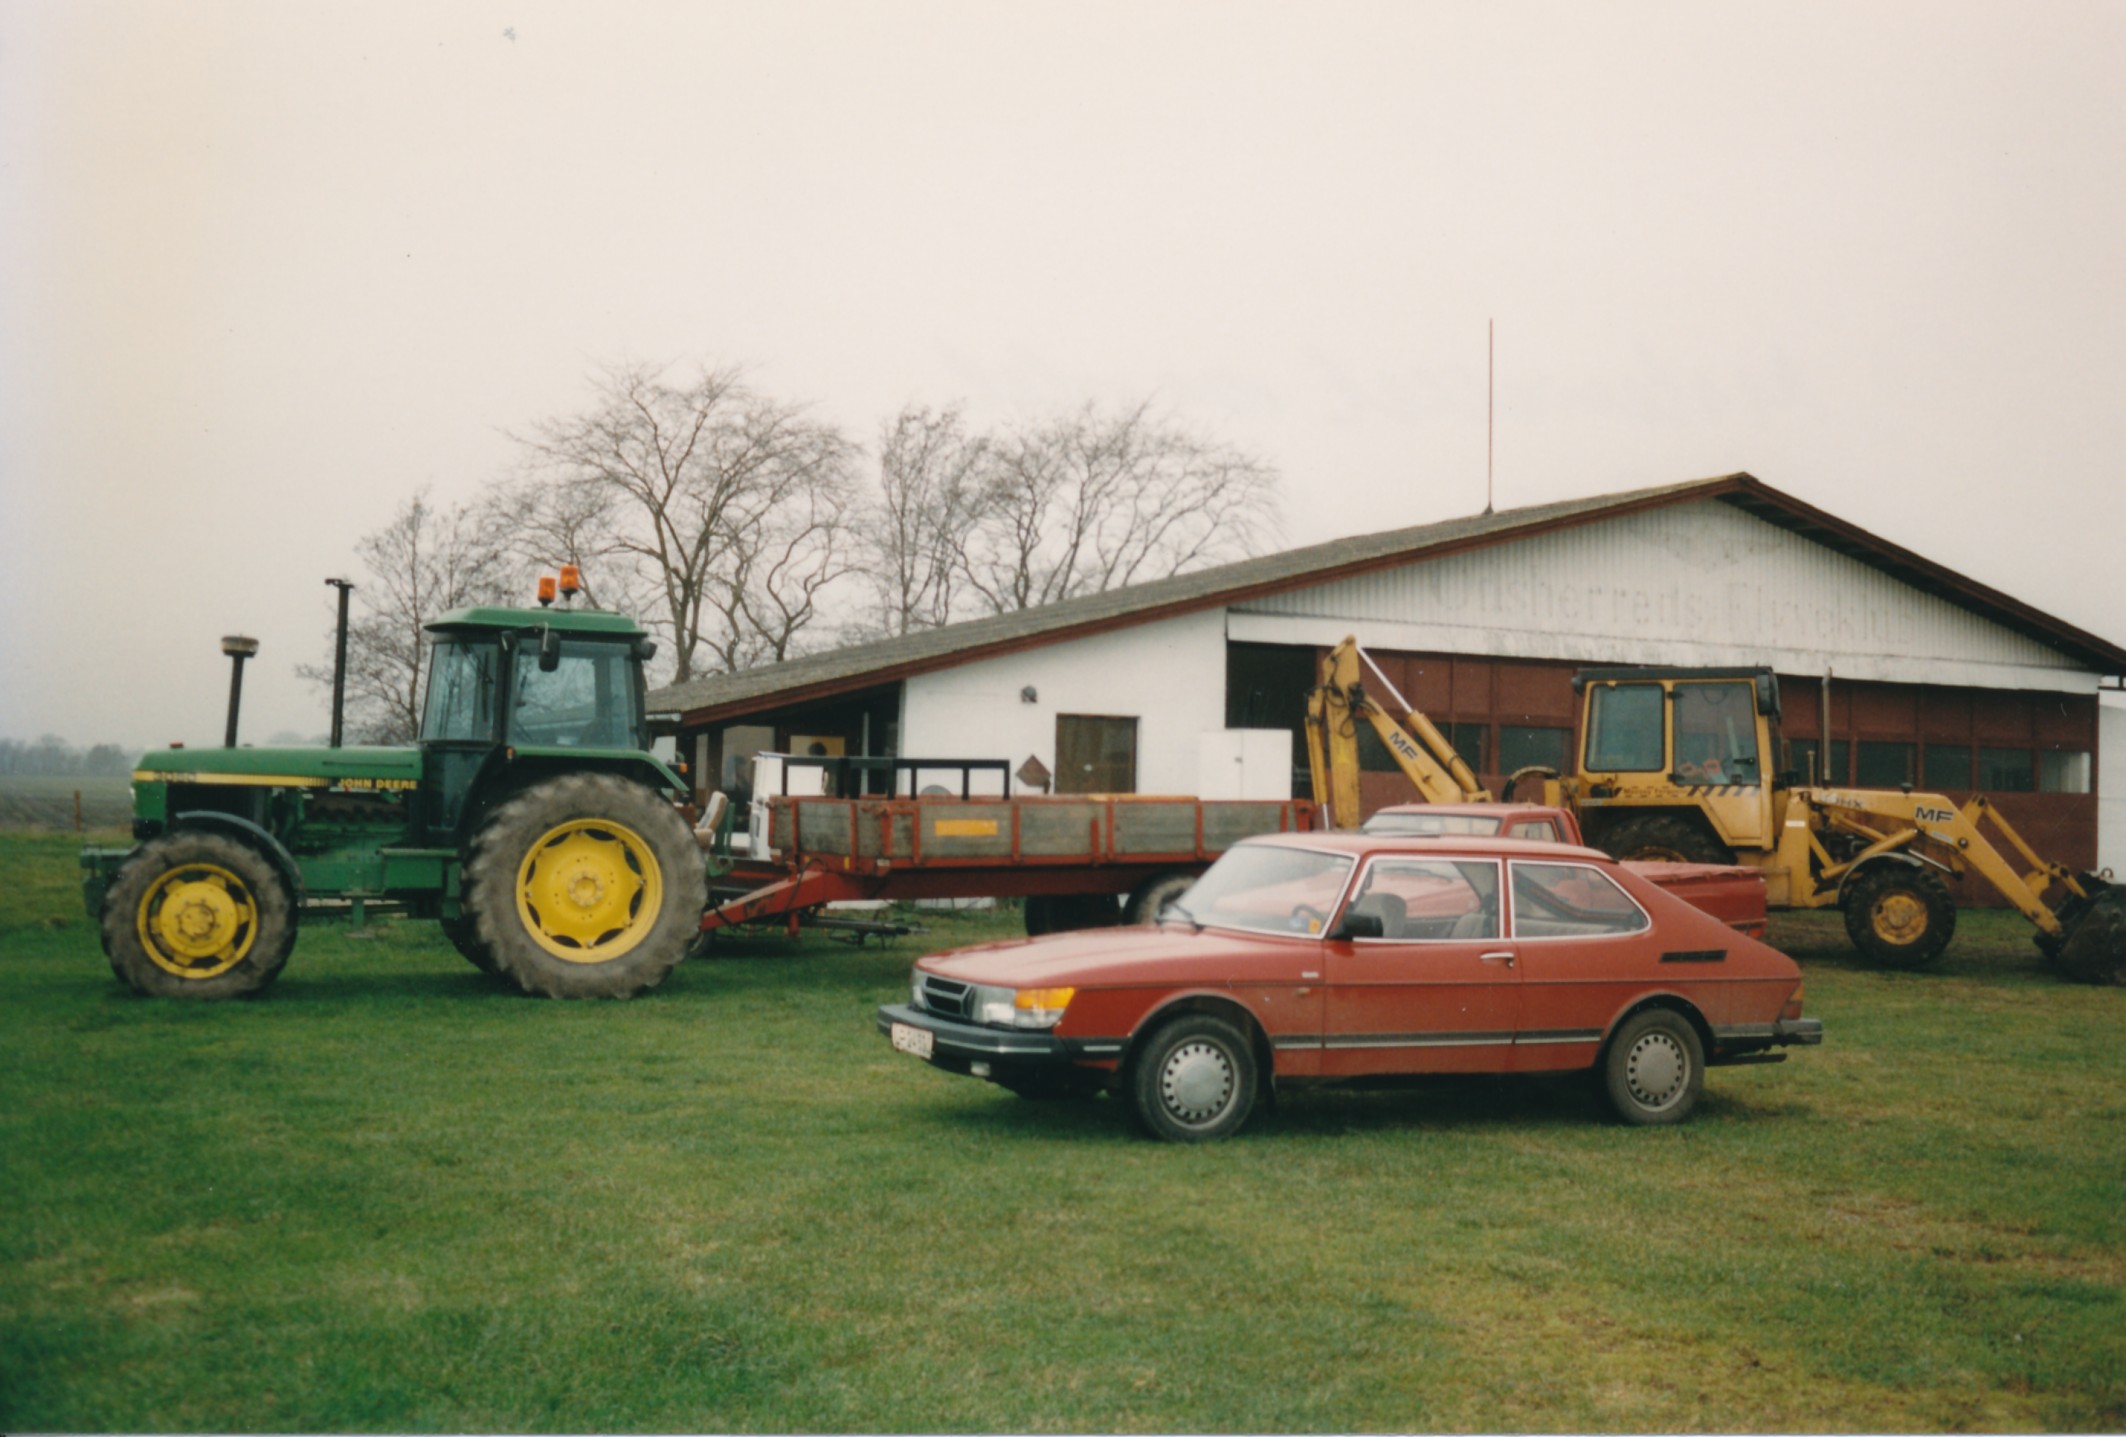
x,y
1502,957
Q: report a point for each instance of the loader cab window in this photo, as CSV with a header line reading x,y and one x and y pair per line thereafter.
x,y
463,677
1624,728
587,701
1716,734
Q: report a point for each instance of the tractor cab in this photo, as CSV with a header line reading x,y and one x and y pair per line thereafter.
x,y
1703,743
529,689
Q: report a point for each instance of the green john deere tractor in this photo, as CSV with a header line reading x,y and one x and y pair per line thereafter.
x,y
530,819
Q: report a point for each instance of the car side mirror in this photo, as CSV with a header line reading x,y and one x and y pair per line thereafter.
x,y
1362,925
549,651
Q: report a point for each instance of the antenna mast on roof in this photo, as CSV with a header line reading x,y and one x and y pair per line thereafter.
x,y
1491,340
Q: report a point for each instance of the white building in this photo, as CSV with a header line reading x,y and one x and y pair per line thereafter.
x,y
1187,685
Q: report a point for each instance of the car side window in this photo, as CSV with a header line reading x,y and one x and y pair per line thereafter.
x,y
1431,899
1571,900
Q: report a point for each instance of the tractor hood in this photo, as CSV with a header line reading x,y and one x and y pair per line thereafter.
x,y
289,767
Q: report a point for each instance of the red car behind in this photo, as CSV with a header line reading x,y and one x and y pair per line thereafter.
x,y
1327,957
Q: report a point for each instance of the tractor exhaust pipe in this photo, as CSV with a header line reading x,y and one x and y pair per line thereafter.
x,y
339,662
238,648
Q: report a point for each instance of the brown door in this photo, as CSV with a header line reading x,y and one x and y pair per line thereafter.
x,y
1095,754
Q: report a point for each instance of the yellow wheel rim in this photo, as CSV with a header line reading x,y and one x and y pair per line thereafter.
x,y
1900,918
589,891
197,921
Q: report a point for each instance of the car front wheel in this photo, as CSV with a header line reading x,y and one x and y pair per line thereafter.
x,y
1194,1079
1655,1068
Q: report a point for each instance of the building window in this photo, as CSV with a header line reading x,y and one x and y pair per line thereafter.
x,y
1884,764
1521,746
1948,765
2063,771
2006,770
1805,755
1468,740
1095,754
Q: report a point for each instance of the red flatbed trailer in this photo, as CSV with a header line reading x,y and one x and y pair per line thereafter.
x,y
832,850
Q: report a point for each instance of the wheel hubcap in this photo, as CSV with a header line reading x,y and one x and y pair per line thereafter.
x,y
197,921
1197,1082
1900,918
1656,1070
589,891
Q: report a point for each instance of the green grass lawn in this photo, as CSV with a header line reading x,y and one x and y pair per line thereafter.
x,y
390,1195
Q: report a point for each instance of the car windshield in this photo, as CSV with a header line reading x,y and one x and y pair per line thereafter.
x,y
1269,890
1432,824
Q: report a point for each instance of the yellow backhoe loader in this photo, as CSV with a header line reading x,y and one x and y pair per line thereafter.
x,y
1689,765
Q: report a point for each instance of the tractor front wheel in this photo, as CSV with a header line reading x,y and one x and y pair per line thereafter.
x,y
585,886
198,915
1899,916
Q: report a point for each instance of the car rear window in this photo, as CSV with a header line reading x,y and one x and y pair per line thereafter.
x,y
1571,900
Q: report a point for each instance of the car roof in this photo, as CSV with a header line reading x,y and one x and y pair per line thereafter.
x,y
1431,846
1484,810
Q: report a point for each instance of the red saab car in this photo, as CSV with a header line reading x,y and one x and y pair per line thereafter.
x,y
1319,957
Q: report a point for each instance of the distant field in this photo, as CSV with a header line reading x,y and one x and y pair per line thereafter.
x,y
38,802
391,1196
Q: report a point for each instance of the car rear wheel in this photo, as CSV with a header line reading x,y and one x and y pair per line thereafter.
x,y
1193,1079
1654,1069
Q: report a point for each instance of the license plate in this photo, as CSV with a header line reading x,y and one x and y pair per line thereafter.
x,y
911,1039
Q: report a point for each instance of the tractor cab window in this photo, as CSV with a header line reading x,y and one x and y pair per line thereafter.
x,y
1624,728
462,682
1716,734
587,701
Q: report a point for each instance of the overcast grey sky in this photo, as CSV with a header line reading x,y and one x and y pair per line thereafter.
x,y
266,269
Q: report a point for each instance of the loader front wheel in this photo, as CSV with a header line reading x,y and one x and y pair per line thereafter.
x,y
198,915
1663,838
585,886
1899,916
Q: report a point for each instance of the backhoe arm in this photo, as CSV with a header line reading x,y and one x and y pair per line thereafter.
x,y
1333,710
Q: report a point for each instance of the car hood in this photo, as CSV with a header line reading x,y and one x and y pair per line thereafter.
x,y
1171,952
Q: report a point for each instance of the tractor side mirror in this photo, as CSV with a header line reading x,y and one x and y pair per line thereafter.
x,y
549,650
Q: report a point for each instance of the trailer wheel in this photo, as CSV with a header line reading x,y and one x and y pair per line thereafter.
x,y
585,886
198,915
2095,950
1154,894
1663,838
1899,916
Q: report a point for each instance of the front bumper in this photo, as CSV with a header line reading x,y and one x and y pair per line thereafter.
x,y
999,1053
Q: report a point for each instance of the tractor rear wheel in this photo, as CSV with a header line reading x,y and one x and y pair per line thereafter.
x,y
1663,838
198,915
1899,916
464,937
585,886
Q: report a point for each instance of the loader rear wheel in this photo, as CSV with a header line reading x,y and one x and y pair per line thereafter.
x,y
1663,838
585,886
1899,916
198,915
2095,950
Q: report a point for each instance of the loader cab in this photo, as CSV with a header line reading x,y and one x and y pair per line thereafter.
x,y
1703,740
526,684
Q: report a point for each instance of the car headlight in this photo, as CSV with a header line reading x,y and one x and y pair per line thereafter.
x,y
915,988
1021,1007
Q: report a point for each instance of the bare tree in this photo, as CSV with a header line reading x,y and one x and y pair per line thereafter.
x,y
1094,501
726,511
931,477
427,561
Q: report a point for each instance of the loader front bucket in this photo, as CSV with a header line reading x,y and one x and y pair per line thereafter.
x,y
2092,949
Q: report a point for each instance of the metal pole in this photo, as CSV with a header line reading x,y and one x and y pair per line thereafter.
x,y
339,661
238,648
